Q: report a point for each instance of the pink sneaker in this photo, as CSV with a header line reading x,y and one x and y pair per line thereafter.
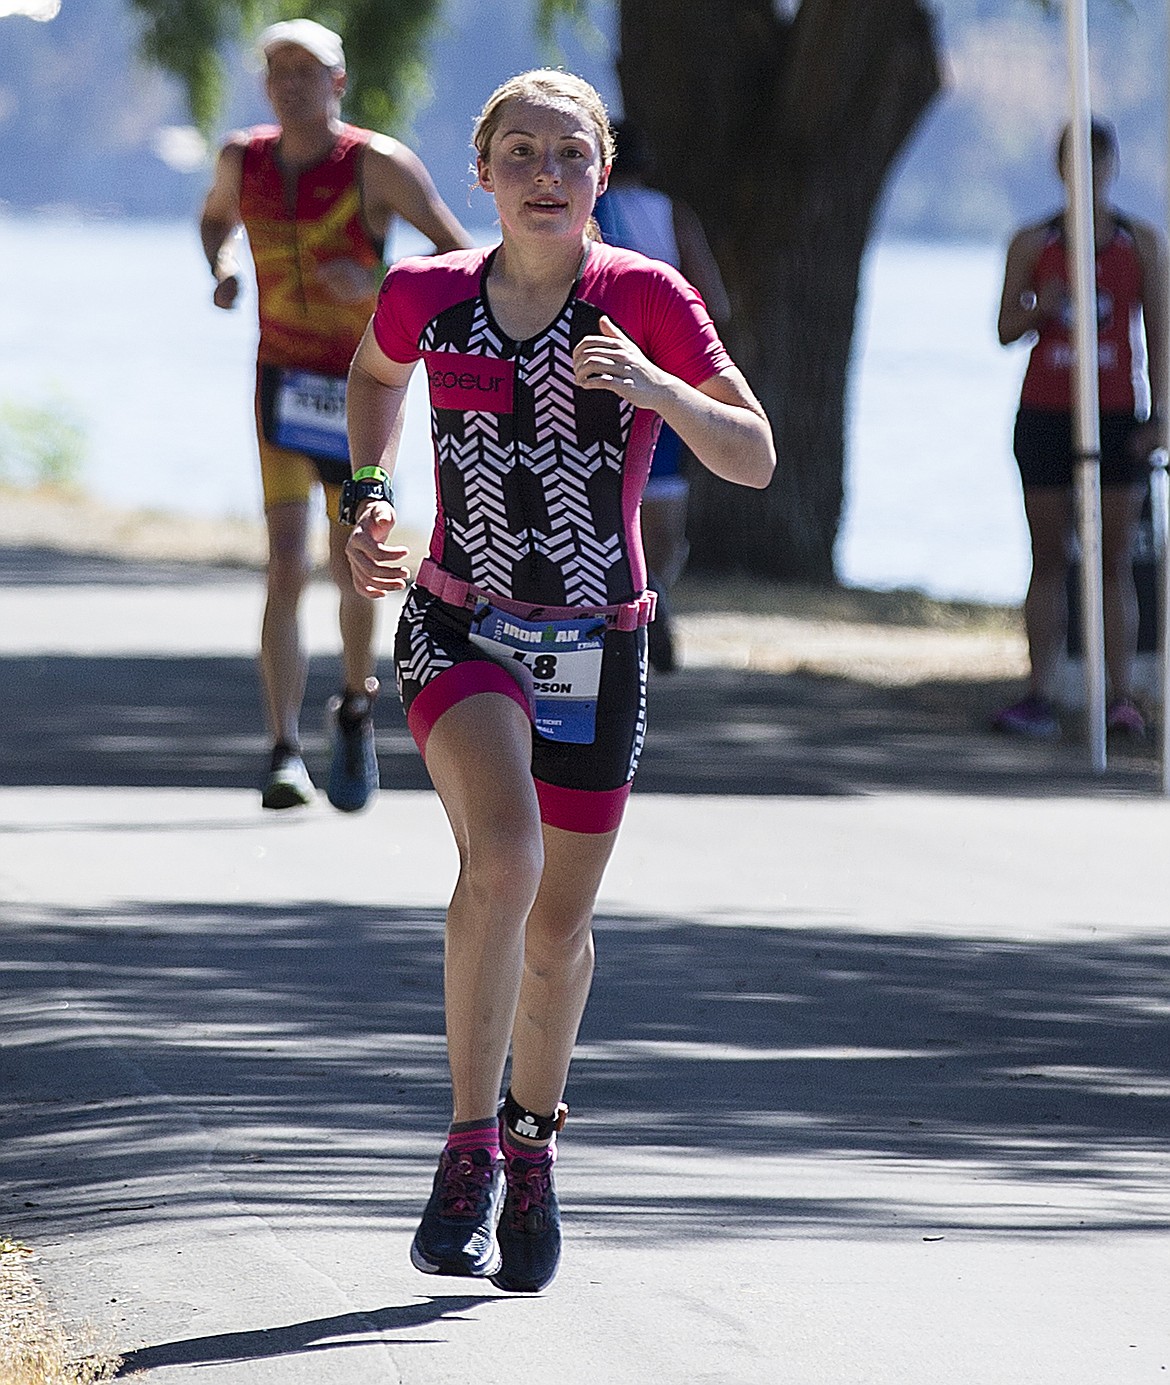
x,y
1124,719
1034,717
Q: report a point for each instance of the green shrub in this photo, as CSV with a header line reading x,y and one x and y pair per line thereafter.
x,y
41,444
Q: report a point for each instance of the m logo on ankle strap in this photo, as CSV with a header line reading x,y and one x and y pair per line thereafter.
x,y
530,1126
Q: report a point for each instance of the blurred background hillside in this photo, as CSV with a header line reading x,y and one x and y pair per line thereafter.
x,y
84,126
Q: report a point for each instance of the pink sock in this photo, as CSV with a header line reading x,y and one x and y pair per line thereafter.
x,y
536,1153
475,1135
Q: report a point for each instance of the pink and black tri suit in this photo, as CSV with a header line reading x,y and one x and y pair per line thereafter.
x,y
539,485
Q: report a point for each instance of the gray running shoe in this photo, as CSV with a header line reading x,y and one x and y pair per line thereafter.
x,y
353,768
530,1226
457,1234
288,784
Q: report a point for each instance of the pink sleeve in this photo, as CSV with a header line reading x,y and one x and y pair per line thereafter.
x,y
397,317
660,309
682,338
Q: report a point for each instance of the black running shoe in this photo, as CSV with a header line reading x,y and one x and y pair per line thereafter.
x,y
530,1226
353,768
457,1234
288,784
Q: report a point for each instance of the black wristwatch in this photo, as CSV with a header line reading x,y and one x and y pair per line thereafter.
x,y
370,483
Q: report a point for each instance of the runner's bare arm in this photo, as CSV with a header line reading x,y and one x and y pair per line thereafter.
x,y
697,262
1020,308
375,410
725,426
721,421
1151,248
221,219
395,182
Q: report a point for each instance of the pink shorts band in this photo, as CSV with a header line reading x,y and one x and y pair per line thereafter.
x,y
456,684
590,811
582,810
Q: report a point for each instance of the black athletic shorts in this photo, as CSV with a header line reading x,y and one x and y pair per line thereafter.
x,y
1044,449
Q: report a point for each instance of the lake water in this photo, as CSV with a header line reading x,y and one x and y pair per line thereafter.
x,y
111,324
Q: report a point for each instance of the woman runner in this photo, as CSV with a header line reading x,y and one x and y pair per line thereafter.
x,y
521,651
1130,290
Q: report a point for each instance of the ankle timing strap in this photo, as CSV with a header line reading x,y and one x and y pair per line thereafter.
x,y
528,1124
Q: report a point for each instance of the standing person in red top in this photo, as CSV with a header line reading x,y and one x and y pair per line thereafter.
x,y
316,197
521,651
1036,301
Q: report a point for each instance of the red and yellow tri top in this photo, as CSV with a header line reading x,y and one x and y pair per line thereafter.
x,y
290,235
1047,383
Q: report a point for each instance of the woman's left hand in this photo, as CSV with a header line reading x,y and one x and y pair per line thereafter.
x,y
721,421
612,361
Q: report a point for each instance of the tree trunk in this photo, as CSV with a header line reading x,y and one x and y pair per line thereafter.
x,y
780,133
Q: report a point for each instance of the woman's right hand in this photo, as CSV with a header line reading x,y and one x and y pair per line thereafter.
x,y
227,290
378,567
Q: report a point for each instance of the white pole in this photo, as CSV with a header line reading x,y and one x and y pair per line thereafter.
x,y
1079,240
1162,512
1160,496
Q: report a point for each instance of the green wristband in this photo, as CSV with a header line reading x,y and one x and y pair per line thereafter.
x,y
370,483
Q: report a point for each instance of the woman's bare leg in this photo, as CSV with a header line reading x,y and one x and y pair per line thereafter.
x,y
558,965
1049,511
1121,508
479,755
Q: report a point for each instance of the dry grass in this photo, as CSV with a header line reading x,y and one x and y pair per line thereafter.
x,y
69,522
886,639
65,521
753,596
34,1348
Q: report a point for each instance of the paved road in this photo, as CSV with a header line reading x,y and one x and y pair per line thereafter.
x,y
872,1087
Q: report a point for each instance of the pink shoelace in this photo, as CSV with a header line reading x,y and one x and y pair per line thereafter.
x,y
466,1182
529,1186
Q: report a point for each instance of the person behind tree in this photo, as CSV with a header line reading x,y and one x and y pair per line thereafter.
x,y
1036,303
639,217
316,197
521,650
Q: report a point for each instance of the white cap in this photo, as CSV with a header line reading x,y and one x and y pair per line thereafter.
x,y
314,38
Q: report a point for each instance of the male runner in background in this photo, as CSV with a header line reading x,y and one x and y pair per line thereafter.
x,y
316,197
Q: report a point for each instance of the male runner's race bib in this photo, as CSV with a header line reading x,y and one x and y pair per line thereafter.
x,y
306,413
564,659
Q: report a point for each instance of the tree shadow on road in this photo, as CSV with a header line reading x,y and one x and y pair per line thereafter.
x,y
304,1043
973,1084
195,723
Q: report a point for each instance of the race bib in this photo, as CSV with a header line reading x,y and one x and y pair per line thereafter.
x,y
308,414
563,658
